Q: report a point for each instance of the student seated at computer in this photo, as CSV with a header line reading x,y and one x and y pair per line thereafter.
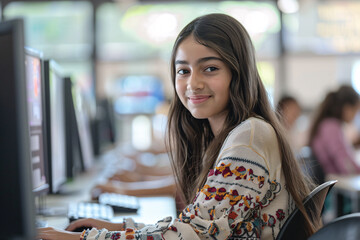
x,y
161,186
289,111
142,180
143,166
150,175
333,150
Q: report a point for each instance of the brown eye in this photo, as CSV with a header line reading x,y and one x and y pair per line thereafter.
x,y
182,71
211,69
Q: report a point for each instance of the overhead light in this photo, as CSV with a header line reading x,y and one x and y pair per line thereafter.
x,y
161,26
288,6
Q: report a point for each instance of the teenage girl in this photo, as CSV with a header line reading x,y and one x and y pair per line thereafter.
x,y
235,169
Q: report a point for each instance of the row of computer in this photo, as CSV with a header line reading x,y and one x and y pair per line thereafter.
x,y
43,142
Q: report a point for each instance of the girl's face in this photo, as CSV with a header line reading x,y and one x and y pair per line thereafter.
x,y
202,82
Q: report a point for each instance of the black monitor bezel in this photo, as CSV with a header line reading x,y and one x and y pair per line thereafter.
x,y
74,157
14,226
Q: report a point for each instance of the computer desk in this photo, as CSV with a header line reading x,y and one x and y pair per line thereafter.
x,y
151,209
348,186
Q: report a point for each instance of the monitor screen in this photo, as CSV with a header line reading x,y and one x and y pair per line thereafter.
x,y
74,162
80,155
35,100
17,202
84,129
55,119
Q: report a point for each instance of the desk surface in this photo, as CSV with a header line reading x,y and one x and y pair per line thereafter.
x,y
151,209
349,183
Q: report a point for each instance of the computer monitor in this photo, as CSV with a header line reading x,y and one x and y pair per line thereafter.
x,y
55,127
106,124
84,129
17,205
74,162
36,115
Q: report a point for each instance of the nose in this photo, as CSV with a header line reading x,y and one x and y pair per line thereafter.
x,y
195,82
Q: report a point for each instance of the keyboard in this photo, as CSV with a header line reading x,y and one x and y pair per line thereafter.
x,y
120,203
40,223
89,210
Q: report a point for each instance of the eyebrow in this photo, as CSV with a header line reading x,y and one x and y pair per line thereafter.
x,y
201,60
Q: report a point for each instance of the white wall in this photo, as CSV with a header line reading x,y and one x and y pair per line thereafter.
x,y
309,77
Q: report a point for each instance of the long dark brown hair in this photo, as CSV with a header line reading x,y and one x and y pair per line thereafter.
x,y
189,139
332,107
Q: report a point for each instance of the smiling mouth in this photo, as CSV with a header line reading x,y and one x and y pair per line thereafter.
x,y
198,99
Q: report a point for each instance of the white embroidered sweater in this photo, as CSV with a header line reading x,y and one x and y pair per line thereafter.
x,y
244,196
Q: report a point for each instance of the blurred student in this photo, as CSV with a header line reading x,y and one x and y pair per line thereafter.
x,y
141,180
333,150
289,111
148,174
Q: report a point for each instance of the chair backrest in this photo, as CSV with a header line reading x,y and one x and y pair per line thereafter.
x,y
345,227
294,226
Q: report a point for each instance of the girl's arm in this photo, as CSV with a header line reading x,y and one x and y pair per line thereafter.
x,y
50,233
161,186
234,189
95,223
231,203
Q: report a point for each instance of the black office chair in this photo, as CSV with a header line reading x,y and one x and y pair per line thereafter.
x,y
346,227
294,226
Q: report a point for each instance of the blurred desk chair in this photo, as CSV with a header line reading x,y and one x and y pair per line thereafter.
x,y
346,227
294,226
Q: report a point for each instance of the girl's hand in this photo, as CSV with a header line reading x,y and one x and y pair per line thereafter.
x,y
50,233
94,223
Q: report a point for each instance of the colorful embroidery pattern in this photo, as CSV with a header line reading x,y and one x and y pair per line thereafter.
x,y
245,205
150,232
116,236
252,226
129,233
213,230
240,172
246,161
234,197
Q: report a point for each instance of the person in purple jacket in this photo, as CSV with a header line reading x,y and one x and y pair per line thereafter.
x,y
327,140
